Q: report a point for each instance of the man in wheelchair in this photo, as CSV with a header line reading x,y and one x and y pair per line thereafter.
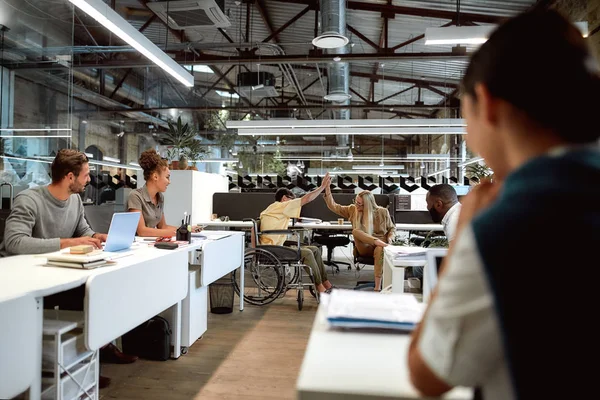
x,y
277,217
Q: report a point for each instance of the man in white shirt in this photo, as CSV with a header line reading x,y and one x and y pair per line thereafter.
x,y
443,206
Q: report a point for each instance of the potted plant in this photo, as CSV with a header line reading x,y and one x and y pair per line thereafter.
x,y
477,172
195,151
179,137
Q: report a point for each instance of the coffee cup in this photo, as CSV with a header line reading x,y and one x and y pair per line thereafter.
x,y
340,221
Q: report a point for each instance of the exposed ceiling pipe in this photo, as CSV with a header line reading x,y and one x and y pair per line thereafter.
x,y
333,19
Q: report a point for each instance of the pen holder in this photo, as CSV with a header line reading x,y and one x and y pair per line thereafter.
x,y
183,234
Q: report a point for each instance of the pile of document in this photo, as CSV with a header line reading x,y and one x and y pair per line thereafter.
x,y
91,260
407,251
359,309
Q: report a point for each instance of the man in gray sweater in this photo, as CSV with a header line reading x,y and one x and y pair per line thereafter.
x,y
50,218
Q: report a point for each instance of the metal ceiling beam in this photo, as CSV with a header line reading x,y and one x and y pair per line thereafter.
x,y
287,24
363,37
303,89
416,38
396,94
402,10
262,9
217,81
208,59
359,95
241,108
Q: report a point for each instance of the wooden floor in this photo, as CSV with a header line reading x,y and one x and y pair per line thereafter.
x,y
254,354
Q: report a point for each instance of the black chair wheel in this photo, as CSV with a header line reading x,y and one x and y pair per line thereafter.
x,y
184,349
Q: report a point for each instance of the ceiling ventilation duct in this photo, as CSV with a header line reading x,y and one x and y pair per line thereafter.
x,y
282,114
333,25
256,84
182,14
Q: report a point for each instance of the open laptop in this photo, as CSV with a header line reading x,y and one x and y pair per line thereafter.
x,y
121,233
434,259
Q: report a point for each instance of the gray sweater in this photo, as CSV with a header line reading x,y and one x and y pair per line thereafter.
x,y
38,221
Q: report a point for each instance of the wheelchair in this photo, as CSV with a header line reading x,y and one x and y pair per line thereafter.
x,y
270,271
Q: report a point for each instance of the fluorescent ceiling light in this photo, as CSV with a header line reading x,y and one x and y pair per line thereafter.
x,y
227,94
386,167
474,34
458,34
199,68
34,136
90,155
111,159
25,159
352,131
106,16
35,129
348,123
428,156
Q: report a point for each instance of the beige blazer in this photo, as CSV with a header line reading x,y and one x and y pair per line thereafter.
x,y
383,227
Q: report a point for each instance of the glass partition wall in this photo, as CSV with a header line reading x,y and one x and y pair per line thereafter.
x,y
44,97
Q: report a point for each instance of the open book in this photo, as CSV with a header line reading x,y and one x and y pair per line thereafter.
x,y
358,309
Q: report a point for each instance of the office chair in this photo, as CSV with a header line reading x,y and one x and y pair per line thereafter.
x,y
331,240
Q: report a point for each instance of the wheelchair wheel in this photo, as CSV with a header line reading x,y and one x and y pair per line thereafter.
x,y
300,299
263,281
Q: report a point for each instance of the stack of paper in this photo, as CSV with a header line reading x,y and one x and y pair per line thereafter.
x,y
407,251
94,259
358,309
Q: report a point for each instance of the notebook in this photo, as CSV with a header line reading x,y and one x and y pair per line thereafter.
x,y
434,259
88,265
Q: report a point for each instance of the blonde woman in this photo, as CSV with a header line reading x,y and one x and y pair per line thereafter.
x,y
372,227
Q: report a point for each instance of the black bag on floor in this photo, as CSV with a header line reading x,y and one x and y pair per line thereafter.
x,y
150,340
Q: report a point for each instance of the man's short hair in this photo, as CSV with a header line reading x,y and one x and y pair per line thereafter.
x,y
284,192
67,160
446,193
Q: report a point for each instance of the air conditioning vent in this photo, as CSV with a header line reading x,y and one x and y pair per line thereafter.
x,y
256,84
182,14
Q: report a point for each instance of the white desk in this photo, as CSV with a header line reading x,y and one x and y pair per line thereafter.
x,y
419,227
350,365
17,344
220,254
393,269
118,298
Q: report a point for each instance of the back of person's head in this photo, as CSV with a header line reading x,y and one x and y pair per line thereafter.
x,y
67,160
446,193
151,162
284,192
540,63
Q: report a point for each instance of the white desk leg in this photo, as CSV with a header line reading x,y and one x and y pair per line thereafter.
x,y
176,329
35,390
242,276
398,279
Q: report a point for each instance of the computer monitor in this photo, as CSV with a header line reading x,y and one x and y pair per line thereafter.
x,y
434,259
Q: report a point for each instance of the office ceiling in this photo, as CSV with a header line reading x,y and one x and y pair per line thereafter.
x,y
392,73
